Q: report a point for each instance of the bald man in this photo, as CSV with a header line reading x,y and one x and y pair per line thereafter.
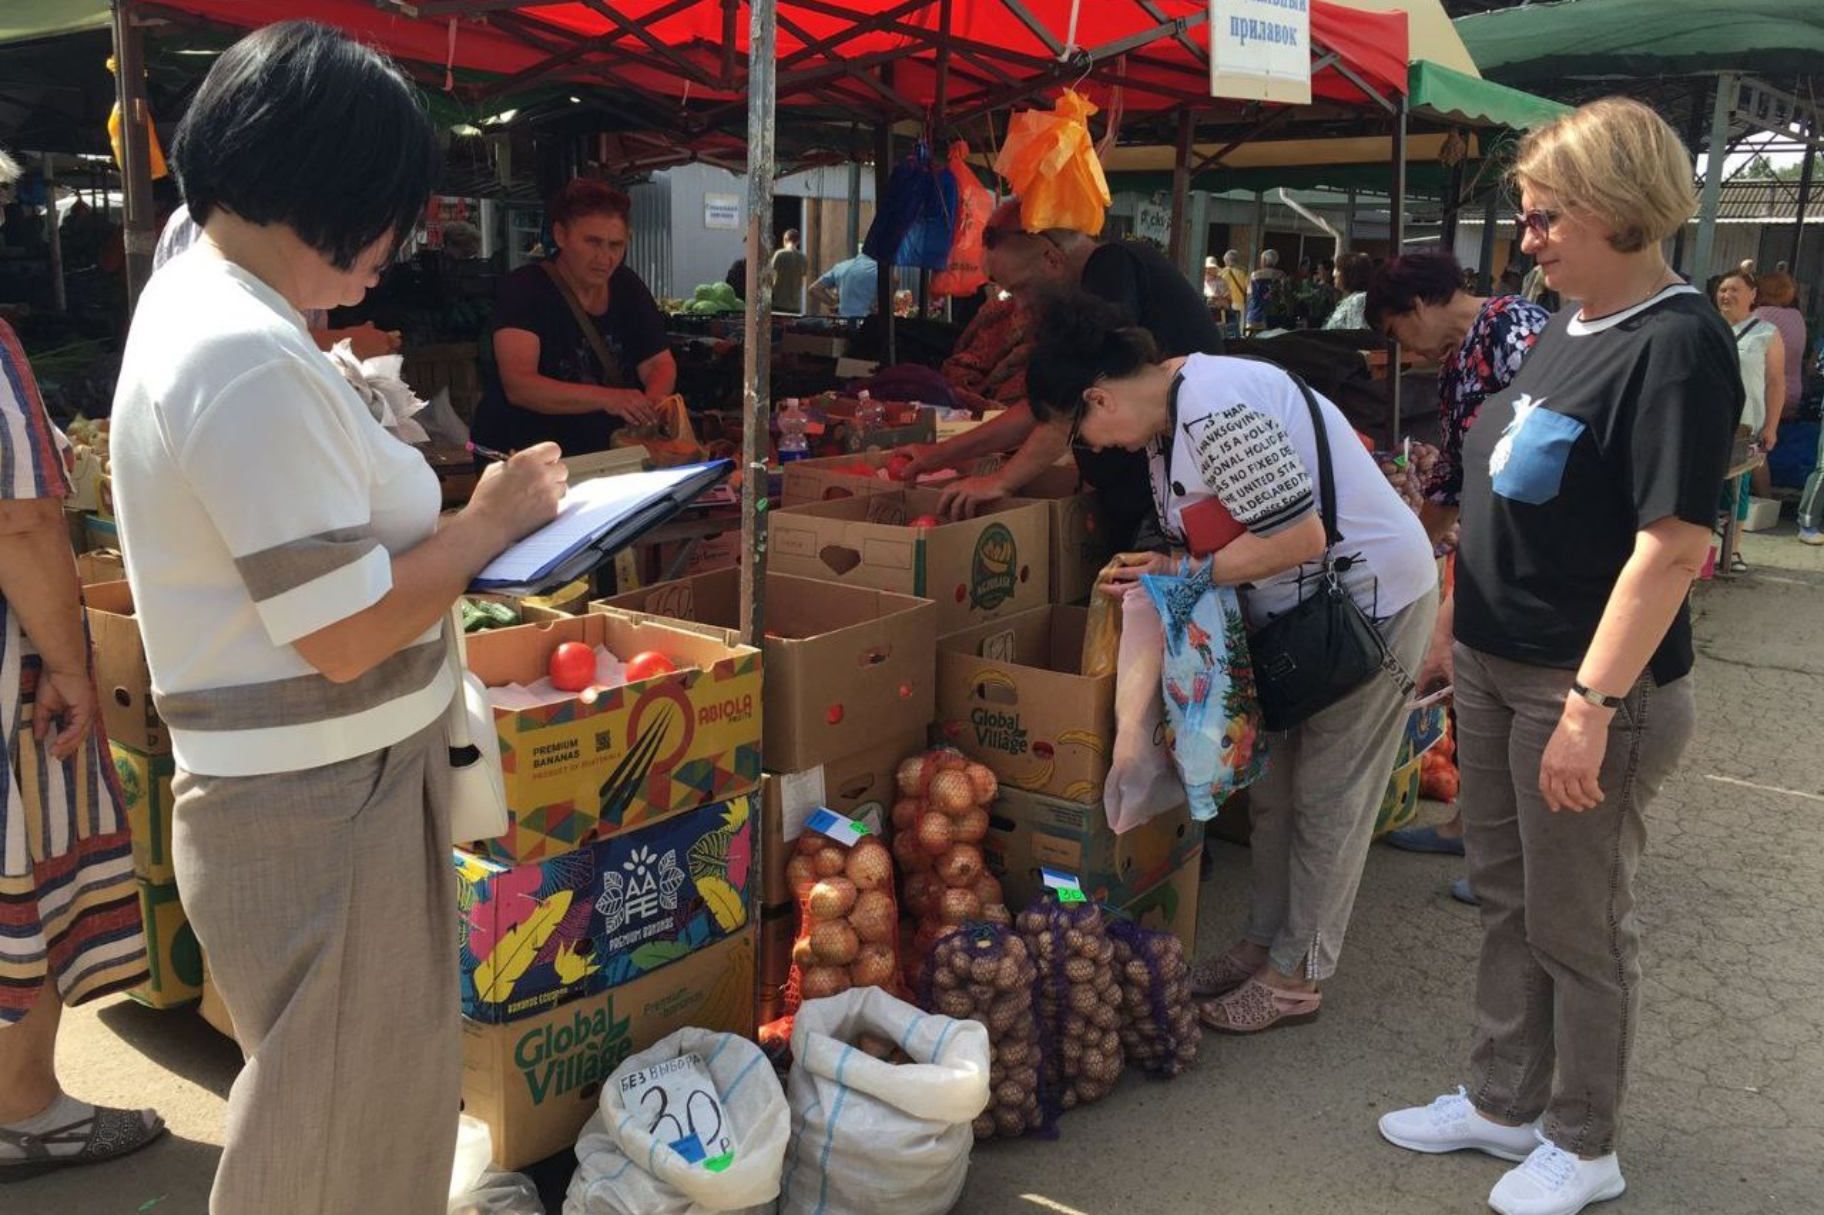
x,y
1033,267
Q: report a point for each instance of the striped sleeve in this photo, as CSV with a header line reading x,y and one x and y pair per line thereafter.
x,y
1247,460
31,450
284,478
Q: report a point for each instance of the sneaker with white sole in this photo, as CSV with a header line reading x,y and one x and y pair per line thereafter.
x,y
1453,1124
1811,535
1553,1181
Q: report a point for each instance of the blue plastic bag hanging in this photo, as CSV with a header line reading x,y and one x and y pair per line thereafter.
x,y
915,222
1217,742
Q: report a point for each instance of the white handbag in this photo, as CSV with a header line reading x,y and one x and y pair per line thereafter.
x,y
478,790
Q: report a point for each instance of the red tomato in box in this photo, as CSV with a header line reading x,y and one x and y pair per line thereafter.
x,y
572,667
897,465
926,521
648,664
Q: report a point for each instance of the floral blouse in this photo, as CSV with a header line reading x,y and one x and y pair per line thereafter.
x,y
1489,358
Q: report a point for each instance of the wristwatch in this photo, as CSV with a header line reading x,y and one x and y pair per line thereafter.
x,y
1596,698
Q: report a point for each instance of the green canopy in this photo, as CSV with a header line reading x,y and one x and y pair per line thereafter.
x,y
22,20
1447,95
1542,44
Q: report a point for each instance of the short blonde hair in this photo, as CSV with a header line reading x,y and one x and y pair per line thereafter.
x,y
1619,162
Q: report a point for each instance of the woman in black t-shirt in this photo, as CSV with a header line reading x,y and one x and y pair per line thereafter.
x,y
552,380
1590,485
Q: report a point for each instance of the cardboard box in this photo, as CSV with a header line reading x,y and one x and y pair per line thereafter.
x,y
1172,904
101,565
576,772
845,666
121,673
1082,540
827,478
145,786
704,554
535,1082
173,956
532,936
906,421
1009,696
993,565
1028,831
860,786
818,345
211,1008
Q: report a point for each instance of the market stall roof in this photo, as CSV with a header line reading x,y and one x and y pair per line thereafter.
x,y
1450,96
1544,44
28,20
1430,35
871,56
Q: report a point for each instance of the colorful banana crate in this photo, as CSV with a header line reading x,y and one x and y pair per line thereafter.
x,y
174,959
534,935
145,786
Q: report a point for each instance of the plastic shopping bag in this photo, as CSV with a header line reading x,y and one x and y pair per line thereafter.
x,y
877,1138
499,1194
695,1126
1051,163
1209,686
974,205
915,221
671,442
1142,784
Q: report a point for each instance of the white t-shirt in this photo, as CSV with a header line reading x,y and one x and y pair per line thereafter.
x,y
259,501
1244,448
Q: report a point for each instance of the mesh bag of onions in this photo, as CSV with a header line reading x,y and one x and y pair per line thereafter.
x,y
939,823
848,920
1159,1028
983,972
1078,1000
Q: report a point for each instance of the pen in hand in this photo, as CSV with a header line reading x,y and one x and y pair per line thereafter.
x,y
488,453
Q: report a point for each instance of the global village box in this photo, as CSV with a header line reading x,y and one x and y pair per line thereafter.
x,y
534,935
145,784
1082,540
123,678
576,771
535,1082
993,565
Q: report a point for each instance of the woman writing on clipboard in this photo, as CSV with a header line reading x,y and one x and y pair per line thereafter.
x,y
578,343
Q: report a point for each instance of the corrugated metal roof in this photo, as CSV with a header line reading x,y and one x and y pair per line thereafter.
x,y
1768,201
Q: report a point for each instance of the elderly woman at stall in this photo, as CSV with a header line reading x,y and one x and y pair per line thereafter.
x,y
1418,301
1760,351
578,343
1195,419
70,927
292,585
1353,270
1589,492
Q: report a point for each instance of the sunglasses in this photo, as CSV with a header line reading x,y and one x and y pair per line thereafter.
x,y
1538,221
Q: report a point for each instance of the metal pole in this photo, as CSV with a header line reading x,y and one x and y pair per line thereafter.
x,y
1396,239
1693,129
1805,178
1713,175
1349,223
1488,239
883,169
1260,228
757,353
139,234
53,235
1181,189
1450,212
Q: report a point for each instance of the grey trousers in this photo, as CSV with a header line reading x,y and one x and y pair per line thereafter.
x,y
326,902
1558,985
1811,505
1313,812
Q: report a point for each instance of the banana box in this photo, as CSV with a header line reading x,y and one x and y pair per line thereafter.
x,y
145,787
1009,696
532,936
536,1082
587,768
1028,832
174,957
992,566
1171,905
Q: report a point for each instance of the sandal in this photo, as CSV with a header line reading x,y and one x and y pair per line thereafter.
x,y
1254,1006
1220,975
104,1134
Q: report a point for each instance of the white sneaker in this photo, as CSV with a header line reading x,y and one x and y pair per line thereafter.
x,y
1553,1181
1811,535
1453,1124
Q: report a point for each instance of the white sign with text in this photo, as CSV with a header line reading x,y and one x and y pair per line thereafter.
x,y
1260,50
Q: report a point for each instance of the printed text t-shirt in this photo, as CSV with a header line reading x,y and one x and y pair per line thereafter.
x,y
1612,425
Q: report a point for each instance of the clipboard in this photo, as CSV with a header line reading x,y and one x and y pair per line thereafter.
x,y
590,530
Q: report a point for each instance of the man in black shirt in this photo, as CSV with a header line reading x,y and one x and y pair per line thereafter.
x,y
1152,292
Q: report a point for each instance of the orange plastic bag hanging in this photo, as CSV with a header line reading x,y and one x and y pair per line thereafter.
x,y
155,155
1051,163
974,204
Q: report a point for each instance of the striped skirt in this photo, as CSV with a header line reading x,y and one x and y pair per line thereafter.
x,y
69,907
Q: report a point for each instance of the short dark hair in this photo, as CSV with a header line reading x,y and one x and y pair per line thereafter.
x,y
298,125
791,234
586,196
1357,270
1398,287
1082,339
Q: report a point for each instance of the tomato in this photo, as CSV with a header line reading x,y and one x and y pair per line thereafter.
x,y
648,664
926,521
897,466
572,667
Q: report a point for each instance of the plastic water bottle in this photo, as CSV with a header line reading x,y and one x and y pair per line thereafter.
x,y
792,443
870,417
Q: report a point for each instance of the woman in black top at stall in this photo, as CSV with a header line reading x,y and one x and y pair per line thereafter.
x,y
547,380
1590,486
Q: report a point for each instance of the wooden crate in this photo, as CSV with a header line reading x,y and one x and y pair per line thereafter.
x,y
452,365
